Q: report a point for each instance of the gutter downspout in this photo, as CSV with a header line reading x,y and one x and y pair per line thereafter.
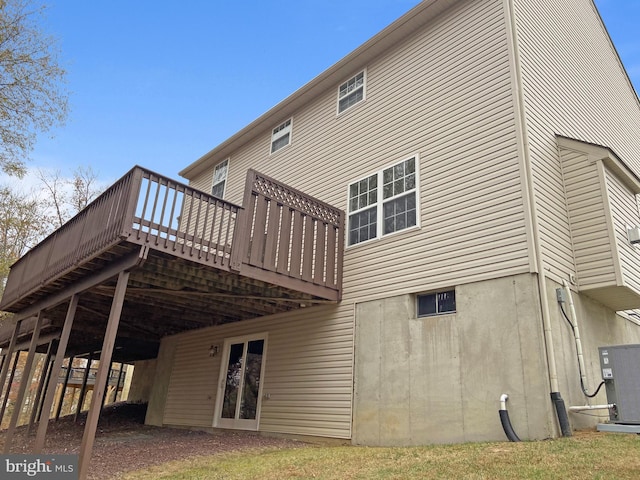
x,y
556,397
529,197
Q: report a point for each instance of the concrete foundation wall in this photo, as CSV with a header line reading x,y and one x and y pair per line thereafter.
x,y
439,379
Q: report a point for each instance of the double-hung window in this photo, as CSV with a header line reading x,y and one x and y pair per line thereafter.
x,y
220,178
351,92
384,203
281,136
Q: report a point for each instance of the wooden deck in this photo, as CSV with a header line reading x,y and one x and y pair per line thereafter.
x,y
152,257
206,261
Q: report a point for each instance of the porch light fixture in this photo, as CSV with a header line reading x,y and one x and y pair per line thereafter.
x,y
213,350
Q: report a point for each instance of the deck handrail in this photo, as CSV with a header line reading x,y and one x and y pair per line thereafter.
x,y
186,222
290,233
93,228
78,373
142,207
279,235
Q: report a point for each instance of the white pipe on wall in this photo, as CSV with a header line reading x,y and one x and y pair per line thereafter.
x,y
581,408
503,401
573,318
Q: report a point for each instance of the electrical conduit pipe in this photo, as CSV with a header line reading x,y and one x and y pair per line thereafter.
x,y
576,333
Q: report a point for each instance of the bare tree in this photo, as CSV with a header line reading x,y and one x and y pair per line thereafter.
x,y
85,188
26,219
23,223
54,185
32,97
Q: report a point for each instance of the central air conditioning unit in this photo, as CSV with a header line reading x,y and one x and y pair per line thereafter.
x,y
620,365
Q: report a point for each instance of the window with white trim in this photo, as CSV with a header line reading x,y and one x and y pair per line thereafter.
x,y
281,136
383,203
220,178
438,303
351,92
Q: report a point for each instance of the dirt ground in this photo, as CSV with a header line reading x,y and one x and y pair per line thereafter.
x,y
123,443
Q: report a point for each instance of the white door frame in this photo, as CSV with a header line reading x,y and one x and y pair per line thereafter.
x,y
238,423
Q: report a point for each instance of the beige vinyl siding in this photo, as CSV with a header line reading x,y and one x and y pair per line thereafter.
x,y
190,398
205,181
573,85
624,208
601,199
594,256
444,94
308,372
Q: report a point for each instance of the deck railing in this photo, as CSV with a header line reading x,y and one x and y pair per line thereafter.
x,y
142,207
279,231
290,233
186,222
95,228
77,375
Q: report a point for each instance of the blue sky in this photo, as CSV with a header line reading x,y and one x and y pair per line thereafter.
x,y
161,83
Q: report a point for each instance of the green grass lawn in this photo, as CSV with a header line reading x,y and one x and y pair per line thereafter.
x,y
585,456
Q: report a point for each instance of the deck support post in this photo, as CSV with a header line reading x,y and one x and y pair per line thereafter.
x,y
83,389
5,366
64,387
41,382
24,381
106,389
5,400
115,397
74,392
91,425
53,375
46,384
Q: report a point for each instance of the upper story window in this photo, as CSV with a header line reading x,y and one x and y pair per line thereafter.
x,y
351,92
384,202
281,136
220,178
438,303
